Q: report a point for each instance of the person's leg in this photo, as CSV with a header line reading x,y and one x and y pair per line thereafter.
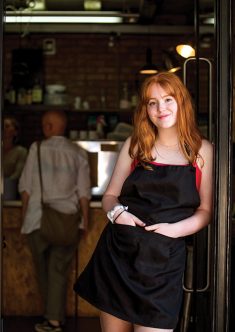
x,y
139,328
111,323
39,249
59,262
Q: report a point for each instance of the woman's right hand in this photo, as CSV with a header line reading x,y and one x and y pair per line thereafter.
x,y
127,218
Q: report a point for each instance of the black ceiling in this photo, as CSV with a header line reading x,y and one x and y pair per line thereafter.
x,y
157,12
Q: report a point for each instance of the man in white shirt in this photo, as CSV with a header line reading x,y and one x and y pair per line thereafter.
x,y
66,188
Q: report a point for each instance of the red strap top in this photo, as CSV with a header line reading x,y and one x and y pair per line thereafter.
x,y
198,171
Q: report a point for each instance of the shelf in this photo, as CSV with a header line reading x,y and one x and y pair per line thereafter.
x,y
29,117
39,108
66,108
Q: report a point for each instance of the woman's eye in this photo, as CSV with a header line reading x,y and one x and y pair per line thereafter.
x,y
152,104
168,100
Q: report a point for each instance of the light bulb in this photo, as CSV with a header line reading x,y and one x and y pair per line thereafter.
x,y
185,51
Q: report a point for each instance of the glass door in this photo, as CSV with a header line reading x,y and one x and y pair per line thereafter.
x,y
208,76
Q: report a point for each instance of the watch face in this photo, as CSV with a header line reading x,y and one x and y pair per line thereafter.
x,y
110,214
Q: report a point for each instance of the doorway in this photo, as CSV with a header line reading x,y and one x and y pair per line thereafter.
x,y
209,253
207,294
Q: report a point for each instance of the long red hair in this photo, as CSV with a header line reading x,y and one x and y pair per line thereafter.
x,y
145,132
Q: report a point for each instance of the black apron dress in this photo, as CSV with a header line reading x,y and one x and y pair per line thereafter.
x,y
134,274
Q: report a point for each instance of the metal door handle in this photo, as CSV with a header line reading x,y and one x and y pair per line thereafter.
x,y
210,125
210,87
189,288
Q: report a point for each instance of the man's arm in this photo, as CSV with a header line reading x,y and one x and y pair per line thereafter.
x,y
84,205
25,201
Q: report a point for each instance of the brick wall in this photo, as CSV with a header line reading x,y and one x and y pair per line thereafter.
x,y
89,67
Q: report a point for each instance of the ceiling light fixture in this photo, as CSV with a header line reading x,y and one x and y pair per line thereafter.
x,y
64,17
185,50
171,64
209,20
149,68
92,5
36,4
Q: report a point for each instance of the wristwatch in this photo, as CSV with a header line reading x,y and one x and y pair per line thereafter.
x,y
111,213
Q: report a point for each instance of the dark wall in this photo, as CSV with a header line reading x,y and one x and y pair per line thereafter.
x,y
90,66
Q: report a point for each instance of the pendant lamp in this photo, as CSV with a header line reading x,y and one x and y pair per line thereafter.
x,y
170,61
185,50
149,68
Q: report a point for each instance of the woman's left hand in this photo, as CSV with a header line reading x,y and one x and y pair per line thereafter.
x,y
164,229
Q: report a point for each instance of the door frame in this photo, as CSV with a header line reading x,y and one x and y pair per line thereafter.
x,y
223,164
223,168
1,173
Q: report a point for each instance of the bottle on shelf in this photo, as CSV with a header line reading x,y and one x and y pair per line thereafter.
x,y
21,96
124,98
134,100
11,95
28,97
77,103
37,95
100,123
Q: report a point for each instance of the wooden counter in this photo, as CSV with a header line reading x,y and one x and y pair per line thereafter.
x,y
20,291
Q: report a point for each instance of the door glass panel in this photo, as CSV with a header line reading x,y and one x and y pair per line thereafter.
x,y
198,75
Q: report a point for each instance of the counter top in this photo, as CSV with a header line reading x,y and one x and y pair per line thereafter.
x,y
93,204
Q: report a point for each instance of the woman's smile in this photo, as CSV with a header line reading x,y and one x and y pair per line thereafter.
x,y
163,117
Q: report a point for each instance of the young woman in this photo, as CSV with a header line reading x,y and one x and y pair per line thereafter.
x,y
14,155
160,192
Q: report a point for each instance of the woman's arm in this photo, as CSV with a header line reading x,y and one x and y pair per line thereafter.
x,y
120,173
19,165
202,215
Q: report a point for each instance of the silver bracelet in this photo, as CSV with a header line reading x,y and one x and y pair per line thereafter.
x,y
111,213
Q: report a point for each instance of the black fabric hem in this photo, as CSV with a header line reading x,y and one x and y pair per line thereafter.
x,y
126,318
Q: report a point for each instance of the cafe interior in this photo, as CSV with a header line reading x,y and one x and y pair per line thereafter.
x,y
89,58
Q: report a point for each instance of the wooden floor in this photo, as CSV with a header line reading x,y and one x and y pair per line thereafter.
x,y
26,324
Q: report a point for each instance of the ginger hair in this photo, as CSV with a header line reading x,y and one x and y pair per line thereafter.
x,y
145,132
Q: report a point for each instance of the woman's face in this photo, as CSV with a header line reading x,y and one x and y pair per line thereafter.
x,y
162,108
9,130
